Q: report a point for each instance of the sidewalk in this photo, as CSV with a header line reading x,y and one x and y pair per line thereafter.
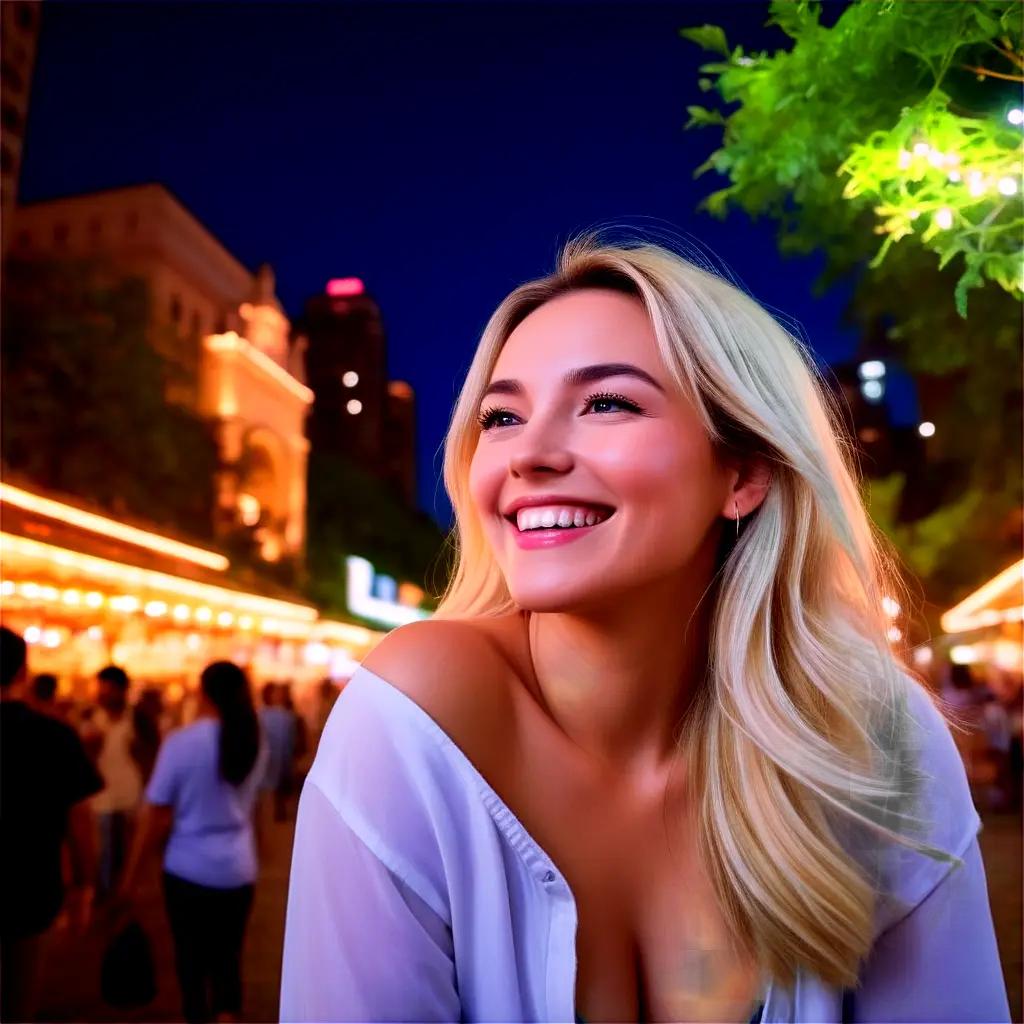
x,y
71,979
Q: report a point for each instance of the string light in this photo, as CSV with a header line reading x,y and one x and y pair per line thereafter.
x,y
1015,116
944,218
1008,186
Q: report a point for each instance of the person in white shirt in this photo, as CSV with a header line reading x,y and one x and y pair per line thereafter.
x,y
110,737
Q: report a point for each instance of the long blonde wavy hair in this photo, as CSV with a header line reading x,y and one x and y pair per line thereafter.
x,y
799,735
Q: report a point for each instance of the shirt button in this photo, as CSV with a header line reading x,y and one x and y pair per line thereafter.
x,y
549,877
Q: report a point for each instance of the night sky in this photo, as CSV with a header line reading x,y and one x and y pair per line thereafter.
x,y
440,152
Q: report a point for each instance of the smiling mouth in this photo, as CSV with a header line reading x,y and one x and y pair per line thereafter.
x,y
604,511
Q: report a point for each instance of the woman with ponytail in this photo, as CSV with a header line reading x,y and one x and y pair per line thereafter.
x,y
654,757
201,796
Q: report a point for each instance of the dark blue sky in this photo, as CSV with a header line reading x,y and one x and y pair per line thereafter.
x,y
440,152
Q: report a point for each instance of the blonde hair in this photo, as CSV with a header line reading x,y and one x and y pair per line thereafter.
x,y
799,734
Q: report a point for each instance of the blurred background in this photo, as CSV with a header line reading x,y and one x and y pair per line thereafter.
x,y
248,250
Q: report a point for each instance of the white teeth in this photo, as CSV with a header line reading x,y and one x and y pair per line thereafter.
x,y
563,517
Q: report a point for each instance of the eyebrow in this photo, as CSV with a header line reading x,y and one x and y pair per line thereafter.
x,y
578,377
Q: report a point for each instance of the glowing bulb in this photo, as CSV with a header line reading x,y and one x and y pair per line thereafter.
x,y
935,158
33,634
94,599
904,159
954,176
1015,116
225,619
926,429
181,612
944,217
976,183
921,149
1008,186
245,622
891,607
203,614
7,588
155,608
914,214
894,633
350,378
73,598
94,633
354,406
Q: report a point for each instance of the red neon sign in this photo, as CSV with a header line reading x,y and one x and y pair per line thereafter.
x,y
345,286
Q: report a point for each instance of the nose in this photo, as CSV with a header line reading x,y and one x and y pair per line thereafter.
x,y
540,448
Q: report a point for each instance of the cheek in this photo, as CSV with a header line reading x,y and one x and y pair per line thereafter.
x,y
660,468
484,483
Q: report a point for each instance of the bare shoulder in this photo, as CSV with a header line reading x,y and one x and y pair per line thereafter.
x,y
453,669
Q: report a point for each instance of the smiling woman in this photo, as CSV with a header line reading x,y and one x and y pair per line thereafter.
x,y
653,759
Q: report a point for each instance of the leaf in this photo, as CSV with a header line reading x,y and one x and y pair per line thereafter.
x,y
968,280
701,116
710,37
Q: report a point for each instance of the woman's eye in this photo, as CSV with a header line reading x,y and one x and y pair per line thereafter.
x,y
605,398
488,418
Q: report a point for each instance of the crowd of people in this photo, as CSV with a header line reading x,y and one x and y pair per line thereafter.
x,y
90,793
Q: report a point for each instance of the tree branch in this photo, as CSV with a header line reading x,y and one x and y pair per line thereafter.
x,y
984,72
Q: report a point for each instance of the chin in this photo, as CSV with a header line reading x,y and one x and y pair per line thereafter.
x,y
565,596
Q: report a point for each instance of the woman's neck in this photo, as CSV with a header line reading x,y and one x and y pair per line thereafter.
x,y
619,683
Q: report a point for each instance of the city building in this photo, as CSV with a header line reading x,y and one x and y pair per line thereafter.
x,y
19,34
221,330
358,413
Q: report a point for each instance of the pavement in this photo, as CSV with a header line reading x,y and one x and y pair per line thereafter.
x,y
70,989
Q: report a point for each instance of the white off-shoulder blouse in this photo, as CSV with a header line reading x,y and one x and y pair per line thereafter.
x,y
417,895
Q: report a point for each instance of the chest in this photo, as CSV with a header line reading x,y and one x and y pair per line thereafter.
x,y
651,944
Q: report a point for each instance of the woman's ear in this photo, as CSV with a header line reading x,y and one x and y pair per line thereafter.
x,y
751,480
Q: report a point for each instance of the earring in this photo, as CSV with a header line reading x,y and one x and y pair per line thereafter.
x,y
737,509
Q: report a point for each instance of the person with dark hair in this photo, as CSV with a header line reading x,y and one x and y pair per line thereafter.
x,y
201,796
45,782
44,693
110,737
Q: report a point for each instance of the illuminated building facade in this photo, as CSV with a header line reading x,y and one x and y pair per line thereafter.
x,y
85,590
19,34
222,330
358,413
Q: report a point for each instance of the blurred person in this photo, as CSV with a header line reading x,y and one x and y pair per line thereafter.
x,y
280,726
44,695
300,763
653,757
46,780
110,736
200,799
147,721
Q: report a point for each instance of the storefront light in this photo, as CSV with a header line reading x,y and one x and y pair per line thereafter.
x,y
181,613
72,598
30,591
33,635
94,599
7,588
204,614
245,622
94,632
225,619
124,603
154,609
51,638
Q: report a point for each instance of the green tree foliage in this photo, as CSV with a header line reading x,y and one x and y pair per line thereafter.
x,y
351,512
888,142
83,409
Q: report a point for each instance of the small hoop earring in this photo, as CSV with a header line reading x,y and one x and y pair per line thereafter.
x,y
737,508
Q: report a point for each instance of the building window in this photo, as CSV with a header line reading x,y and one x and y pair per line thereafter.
x,y
176,309
60,235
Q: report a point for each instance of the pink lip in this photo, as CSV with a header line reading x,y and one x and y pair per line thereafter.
x,y
549,538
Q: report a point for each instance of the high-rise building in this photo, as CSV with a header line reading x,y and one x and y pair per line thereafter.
x,y
357,412
19,34
222,330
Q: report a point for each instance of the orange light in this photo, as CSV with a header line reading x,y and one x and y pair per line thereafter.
x,y
110,527
141,580
971,612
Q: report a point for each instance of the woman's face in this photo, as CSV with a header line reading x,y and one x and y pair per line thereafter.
x,y
624,443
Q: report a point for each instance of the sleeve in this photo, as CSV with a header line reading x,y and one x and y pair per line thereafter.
x,y
162,789
939,963
360,944
80,775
